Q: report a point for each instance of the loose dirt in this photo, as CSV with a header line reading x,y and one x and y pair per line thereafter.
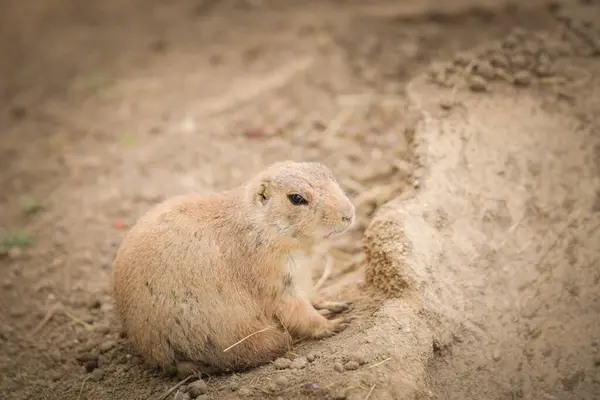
x,y
467,135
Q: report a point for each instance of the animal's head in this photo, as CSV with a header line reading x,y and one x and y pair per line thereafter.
x,y
302,201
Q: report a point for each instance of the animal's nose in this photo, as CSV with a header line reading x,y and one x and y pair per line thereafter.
x,y
347,219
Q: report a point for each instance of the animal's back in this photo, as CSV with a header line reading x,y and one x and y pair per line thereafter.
x,y
177,282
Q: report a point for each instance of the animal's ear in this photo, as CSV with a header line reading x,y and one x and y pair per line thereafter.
x,y
263,192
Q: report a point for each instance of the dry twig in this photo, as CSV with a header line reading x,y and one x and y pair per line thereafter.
x,y
174,388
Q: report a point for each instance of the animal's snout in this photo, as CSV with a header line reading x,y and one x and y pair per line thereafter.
x,y
347,218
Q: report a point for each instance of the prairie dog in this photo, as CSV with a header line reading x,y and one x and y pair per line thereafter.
x,y
199,273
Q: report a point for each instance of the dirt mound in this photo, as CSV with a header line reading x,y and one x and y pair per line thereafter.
x,y
498,246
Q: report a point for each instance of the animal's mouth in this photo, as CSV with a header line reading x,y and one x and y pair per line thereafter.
x,y
338,230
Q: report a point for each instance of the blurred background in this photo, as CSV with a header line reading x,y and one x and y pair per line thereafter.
x,y
108,107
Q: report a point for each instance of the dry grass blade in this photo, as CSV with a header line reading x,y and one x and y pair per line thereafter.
x,y
326,273
49,315
247,337
174,388
370,393
379,363
77,320
82,386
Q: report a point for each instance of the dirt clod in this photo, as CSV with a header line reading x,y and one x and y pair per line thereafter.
x,y
523,78
298,363
351,366
197,388
485,70
102,329
478,84
282,363
359,358
56,375
338,367
106,346
282,381
311,357
97,374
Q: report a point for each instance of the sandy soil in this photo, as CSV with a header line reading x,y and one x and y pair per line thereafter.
x,y
466,133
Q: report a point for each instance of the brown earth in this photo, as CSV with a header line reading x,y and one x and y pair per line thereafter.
x,y
471,149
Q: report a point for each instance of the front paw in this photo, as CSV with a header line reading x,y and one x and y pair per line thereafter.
x,y
330,328
331,306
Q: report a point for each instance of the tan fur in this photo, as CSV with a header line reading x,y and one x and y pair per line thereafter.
x,y
199,273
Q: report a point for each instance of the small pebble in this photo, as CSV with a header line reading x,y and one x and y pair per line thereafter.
x,y
56,355
510,42
543,70
351,366
477,84
271,387
106,346
311,357
446,104
282,363
485,70
523,78
359,358
518,61
499,60
338,367
56,375
340,395
462,59
496,355
282,381
244,392
97,375
87,357
233,386
101,329
298,363
197,388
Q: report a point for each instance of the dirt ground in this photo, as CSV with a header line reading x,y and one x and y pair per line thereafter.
x,y
467,133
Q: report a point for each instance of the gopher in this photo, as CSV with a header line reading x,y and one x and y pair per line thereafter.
x,y
211,281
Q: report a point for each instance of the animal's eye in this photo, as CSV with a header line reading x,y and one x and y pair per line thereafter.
x,y
297,200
